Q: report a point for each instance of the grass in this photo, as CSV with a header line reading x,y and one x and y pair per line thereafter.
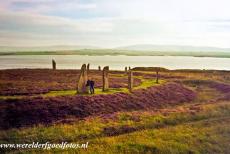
x,y
203,131
196,127
185,138
149,83
12,97
98,91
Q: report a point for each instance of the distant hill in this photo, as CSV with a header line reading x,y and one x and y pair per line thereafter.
x,y
141,47
149,47
45,48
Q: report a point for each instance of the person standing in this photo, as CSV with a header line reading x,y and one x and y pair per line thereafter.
x,y
91,87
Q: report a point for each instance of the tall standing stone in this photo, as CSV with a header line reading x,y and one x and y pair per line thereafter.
x,y
130,80
53,64
129,68
105,79
126,69
157,76
99,68
88,67
81,86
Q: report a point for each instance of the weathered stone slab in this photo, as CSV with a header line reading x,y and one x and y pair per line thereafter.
x,y
88,65
83,77
105,78
130,80
126,69
157,76
53,64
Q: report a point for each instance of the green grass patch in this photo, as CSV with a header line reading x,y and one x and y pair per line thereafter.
x,y
179,132
148,83
98,91
12,97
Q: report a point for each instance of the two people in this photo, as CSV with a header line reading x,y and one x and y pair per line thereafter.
x,y
90,86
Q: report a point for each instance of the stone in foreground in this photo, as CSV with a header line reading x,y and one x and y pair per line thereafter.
x,y
105,78
81,86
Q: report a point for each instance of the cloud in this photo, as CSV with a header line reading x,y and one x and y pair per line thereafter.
x,y
121,22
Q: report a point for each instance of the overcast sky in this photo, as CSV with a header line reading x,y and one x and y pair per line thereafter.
x,y
107,23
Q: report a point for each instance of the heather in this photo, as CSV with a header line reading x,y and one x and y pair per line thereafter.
x,y
188,111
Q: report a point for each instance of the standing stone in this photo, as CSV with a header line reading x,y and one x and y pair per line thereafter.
x,y
105,79
99,68
81,86
157,76
129,68
130,80
88,67
126,69
53,64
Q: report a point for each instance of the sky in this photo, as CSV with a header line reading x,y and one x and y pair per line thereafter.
x,y
114,23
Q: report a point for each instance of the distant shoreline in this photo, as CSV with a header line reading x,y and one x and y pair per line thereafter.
x,y
89,52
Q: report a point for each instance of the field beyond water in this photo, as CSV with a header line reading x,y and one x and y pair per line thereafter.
x,y
188,111
115,52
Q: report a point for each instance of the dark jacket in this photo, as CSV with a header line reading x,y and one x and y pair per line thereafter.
x,y
91,83
88,83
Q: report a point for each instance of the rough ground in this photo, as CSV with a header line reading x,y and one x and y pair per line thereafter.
x,y
188,113
37,81
26,112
